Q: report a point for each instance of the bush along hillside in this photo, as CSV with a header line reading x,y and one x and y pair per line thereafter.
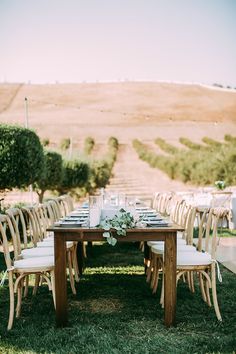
x,y
88,145
198,164
101,170
84,175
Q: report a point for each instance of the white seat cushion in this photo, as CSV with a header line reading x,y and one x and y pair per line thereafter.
x,y
180,241
37,252
180,248
50,243
193,258
180,234
48,239
37,263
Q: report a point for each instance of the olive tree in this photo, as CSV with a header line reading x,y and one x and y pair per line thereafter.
x,y
21,157
52,174
75,174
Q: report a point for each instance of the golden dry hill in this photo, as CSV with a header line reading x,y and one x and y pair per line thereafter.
x,y
127,110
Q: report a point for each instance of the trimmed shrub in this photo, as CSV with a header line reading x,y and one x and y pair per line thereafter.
x,y
88,145
75,174
52,174
21,157
45,142
65,144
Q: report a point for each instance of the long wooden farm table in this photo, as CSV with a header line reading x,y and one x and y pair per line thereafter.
x,y
80,234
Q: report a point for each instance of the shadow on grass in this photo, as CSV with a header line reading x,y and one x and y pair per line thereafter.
x,y
115,312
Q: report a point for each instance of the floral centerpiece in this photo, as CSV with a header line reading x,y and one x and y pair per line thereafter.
x,y
122,221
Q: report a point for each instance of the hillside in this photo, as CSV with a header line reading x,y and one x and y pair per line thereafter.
x,y
127,110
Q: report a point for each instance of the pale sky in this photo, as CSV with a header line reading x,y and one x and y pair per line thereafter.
x,y
46,41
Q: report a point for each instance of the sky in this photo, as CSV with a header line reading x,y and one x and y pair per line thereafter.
x,y
50,41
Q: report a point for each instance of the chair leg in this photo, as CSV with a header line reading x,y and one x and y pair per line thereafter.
x,y
149,269
201,281
19,300
214,294
12,300
158,267
26,289
71,276
154,271
53,287
192,282
75,263
36,284
207,287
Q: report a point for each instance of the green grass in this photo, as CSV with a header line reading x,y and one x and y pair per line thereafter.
x,y
115,312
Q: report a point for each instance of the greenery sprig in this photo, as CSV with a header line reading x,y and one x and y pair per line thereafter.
x,y
122,221
220,185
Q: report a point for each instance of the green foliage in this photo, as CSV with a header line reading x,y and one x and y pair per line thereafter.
x,y
115,312
197,166
220,185
170,149
230,139
119,223
101,170
45,142
190,144
52,173
100,174
21,157
65,144
88,145
213,143
75,174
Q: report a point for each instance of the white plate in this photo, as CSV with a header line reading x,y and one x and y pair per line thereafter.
x,y
71,224
151,218
142,208
157,223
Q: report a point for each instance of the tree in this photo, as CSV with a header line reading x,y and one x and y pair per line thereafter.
x,y
52,174
21,157
75,174
65,144
88,145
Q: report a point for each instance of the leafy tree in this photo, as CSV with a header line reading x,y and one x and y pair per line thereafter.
x,y
75,174
45,142
88,145
21,157
52,174
65,144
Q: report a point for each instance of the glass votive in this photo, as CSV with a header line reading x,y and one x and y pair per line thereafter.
x,y
95,205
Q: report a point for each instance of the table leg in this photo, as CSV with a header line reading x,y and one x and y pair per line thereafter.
x,y
60,279
170,278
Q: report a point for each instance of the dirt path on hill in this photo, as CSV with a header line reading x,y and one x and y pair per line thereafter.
x,y
135,177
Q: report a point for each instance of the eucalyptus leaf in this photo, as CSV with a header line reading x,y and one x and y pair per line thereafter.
x,y
120,223
106,234
113,241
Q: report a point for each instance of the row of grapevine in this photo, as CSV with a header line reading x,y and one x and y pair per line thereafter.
x,y
199,165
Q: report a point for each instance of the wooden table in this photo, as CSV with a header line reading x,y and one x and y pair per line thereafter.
x,y
166,234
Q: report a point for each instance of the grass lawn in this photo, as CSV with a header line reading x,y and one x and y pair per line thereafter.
x,y
115,312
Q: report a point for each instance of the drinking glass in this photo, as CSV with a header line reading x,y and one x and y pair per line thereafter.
x,y
95,204
130,204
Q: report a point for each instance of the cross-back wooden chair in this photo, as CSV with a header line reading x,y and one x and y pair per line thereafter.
x,y
19,269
